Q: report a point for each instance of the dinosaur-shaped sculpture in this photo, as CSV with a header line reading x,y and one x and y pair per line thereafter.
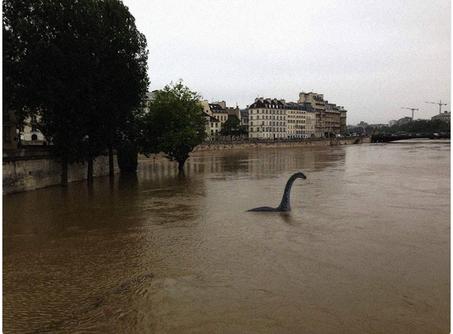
x,y
285,203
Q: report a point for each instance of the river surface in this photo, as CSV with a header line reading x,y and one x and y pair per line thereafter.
x,y
366,248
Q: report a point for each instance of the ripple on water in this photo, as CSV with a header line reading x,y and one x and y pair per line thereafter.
x,y
360,251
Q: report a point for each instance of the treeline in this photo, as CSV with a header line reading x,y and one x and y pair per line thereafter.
x,y
418,126
80,69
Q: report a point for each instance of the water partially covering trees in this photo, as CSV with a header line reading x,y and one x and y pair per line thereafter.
x,y
81,67
175,123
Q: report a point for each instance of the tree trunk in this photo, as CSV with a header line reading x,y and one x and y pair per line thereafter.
x,y
90,170
64,172
111,165
127,158
181,166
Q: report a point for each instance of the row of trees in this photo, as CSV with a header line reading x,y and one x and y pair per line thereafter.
x,y
80,68
417,126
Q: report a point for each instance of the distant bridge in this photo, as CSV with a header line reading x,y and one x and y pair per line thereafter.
x,y
385,138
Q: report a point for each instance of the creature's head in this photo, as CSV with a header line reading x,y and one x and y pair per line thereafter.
x,y
299,175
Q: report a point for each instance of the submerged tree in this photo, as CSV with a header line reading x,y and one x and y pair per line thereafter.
x,y
122,75
50,66
175,123
127,142
78,65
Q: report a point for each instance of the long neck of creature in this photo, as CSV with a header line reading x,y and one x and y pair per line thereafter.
x,y
285,203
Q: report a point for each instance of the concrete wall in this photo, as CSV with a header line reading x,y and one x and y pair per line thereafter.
x,y
26,171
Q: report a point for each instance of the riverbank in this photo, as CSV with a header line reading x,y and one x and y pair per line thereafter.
x,y
35,168
237,145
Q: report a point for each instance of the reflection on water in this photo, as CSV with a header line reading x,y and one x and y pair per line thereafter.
x,y
365,249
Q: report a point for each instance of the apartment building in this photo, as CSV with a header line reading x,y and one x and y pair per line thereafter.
x,y
219,111
268,119
212,125
296,120
275,119
218,114
310,124
330,118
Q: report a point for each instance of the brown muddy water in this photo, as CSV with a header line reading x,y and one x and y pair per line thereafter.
x,y
364,250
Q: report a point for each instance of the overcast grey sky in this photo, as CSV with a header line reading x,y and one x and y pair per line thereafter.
x,y
373,57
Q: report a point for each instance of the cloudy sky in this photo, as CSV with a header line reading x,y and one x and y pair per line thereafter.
x,y
373,57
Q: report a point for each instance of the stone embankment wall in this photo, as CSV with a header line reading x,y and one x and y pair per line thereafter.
x,y
29,169
226,145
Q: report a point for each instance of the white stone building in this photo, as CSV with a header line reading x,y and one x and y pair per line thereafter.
x,y
213,126
300,122
268,119
276,119
330,118
30,134
217,113
310,124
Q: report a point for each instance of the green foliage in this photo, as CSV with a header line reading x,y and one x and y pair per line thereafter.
x,y
49,67
175,123
121,76
417,126
78,65
233,127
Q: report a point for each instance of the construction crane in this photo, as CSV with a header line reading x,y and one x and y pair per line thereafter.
x,y
413,109
440,104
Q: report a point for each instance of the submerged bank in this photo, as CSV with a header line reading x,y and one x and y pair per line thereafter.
x,y
229,145
31,169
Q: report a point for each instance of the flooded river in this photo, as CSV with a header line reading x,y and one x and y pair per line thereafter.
x,y
364,250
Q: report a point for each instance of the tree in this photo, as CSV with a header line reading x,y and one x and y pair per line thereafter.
x,y
128,141
122,75
422,126
175,123
232,127
78,65
49,67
